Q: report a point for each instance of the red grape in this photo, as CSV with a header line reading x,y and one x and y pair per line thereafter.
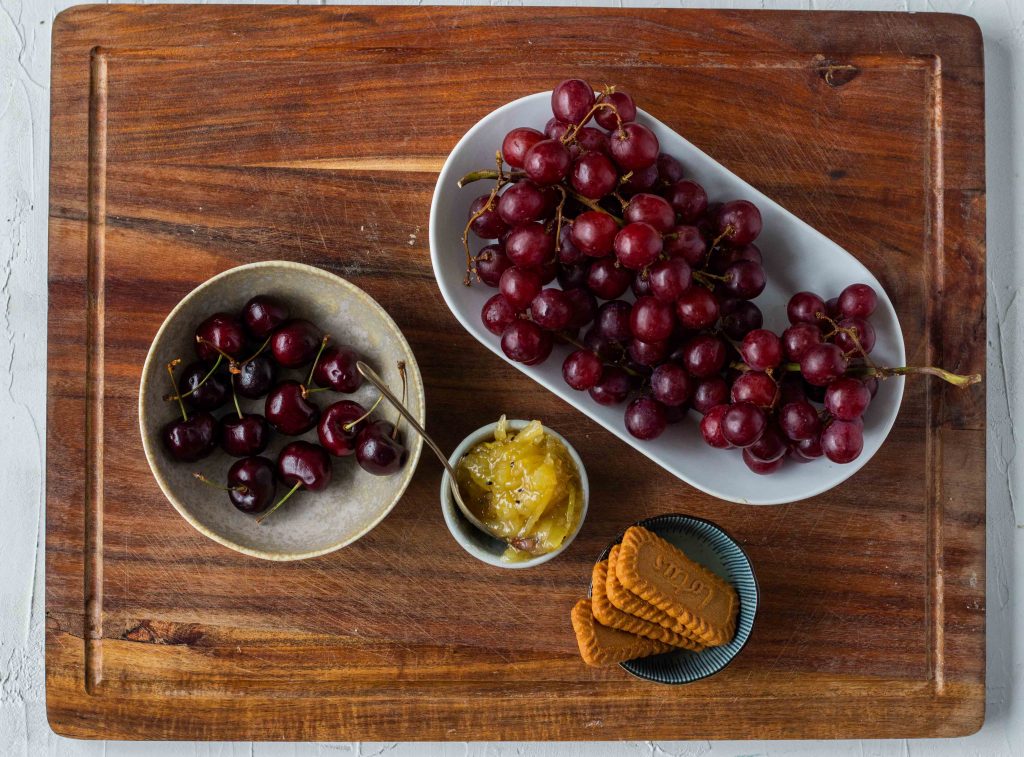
x,y
645,418
624,105
865,335
807,450
647,353
582,370
487,225
547,162
497,314
551,310
594,175
584,307
613,320
798,338
740,317
857,301
568,252
571,100
739,221
670,170
554,129
613,388
803,307
516,144
522,202
704,355
799,420
490,263
573,276
761,349
710,392
697,308
634,146
651,320
594,233
529,245
687,243
526,342
669,279
637,245
711,427
519,287
639,180
755,387
847,398
770,447
822,364
745,279
743,424
842,441
688,199
759,467
651,209
671,385
607,279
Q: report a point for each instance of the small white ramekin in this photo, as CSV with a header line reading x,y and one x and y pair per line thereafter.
x,y
485,547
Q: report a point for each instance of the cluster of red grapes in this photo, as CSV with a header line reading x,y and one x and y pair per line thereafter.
x,y
274,342
593,203
823,358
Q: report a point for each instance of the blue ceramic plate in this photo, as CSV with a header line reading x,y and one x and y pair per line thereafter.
x,y
713,548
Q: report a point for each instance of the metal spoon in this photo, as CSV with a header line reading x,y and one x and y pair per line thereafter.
x,y
370,375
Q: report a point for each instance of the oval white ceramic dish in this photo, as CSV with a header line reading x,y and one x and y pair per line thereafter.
x,y
796,257
311,523
485,547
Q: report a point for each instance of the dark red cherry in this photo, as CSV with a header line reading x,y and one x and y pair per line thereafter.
x,y
245,436
336,369
339,427
295,343
251,484
191,439
221,332
210,394
262,314
289,411
377,452
256,377
306,465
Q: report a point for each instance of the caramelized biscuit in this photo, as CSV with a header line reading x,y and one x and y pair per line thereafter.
x,y
655,570
609,615
631,604
600,645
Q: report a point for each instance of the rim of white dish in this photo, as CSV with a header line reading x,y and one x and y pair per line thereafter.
x,y
452,515
414,451
444,180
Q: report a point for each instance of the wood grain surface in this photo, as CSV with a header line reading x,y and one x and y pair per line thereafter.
x,y
187,140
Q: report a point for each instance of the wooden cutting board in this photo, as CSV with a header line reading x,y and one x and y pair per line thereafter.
x,y
189,140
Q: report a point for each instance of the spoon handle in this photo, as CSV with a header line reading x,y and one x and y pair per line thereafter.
x,y
371,375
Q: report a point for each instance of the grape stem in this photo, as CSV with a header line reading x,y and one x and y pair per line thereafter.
x,y
171,397
594,206
487,173
499,174
882,372
573,130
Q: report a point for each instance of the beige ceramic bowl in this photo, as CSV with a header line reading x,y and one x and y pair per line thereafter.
x,y
310,523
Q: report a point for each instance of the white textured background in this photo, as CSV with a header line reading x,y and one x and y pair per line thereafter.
x,y
25,27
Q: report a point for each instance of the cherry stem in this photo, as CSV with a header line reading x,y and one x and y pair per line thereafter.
x,y
405,397
312,370
306,391
232,363
241,488
174,386
234,397
191,391
279,502
352,424
256,354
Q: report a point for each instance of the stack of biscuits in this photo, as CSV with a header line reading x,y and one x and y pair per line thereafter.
x,y
648,597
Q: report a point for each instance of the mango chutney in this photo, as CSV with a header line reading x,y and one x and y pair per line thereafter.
x,y
524,487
